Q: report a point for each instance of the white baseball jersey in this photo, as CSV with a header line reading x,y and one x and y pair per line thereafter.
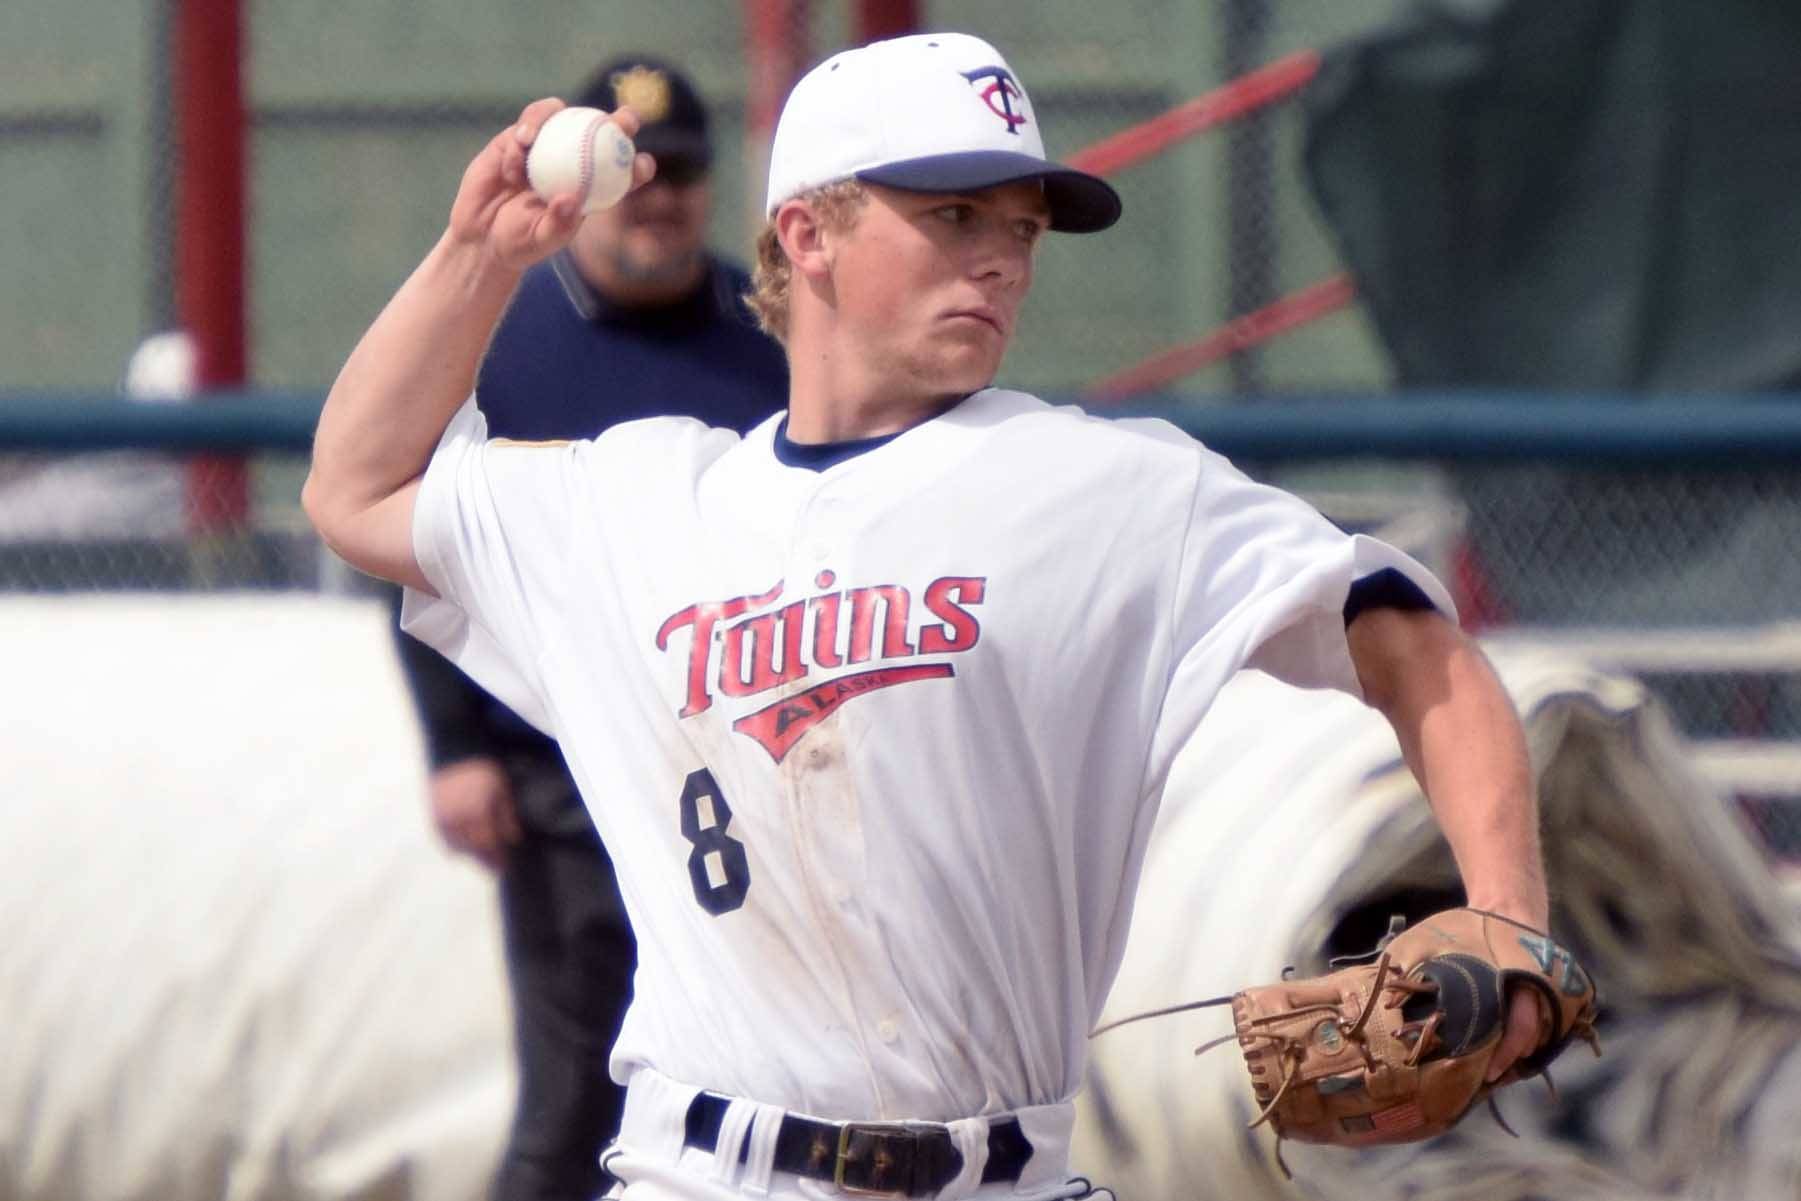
x,y
876,749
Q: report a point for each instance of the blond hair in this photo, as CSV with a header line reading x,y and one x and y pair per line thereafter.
x,y
772,278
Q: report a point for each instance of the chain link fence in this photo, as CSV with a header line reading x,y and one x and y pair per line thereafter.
x,y
132,521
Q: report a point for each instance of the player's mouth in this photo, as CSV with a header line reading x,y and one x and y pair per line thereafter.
x,y
981,315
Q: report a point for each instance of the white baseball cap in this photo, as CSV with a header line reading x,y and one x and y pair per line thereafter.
x,y
934,112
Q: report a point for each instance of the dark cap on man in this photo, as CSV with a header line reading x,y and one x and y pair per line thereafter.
x,y
673,116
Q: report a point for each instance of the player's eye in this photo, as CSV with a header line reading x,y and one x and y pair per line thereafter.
x,y
1028,230
956,214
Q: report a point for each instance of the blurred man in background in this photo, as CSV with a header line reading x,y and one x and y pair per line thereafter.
x,y
635,318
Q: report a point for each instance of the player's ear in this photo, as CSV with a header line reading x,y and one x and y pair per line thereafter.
x,y
803,238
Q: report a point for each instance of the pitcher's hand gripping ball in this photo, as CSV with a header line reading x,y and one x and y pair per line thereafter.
x,y
1398,1051
581,150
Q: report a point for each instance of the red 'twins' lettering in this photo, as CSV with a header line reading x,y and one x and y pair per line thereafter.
x,y
737,651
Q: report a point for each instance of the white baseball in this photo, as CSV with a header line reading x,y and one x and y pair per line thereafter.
x,y
581,150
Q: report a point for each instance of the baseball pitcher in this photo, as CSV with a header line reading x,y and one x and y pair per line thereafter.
x,y
883,694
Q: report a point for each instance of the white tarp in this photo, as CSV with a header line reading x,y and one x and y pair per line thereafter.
x,y
1292,809
235,963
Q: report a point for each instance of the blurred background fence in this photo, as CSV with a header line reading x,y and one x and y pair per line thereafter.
x,y
264,174
359,119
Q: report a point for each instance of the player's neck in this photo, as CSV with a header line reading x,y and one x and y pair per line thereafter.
x,y
839,391
827,403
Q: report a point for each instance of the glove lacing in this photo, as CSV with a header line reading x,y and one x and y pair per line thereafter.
x,y
1392,993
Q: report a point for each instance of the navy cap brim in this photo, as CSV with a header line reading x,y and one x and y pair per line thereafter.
x,y
1080,203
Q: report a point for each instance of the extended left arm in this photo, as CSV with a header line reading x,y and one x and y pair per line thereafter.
x,y
1462,738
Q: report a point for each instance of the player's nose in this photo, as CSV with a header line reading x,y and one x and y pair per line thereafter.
x,y
1001,259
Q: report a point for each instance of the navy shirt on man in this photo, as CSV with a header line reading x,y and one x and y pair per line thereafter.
x,y
589,363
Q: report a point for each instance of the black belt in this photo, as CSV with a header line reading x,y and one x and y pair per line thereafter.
x,y
898,1159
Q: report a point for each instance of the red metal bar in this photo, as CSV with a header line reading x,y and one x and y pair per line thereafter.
x,y
1290,312
878,19
776,49
1266,85
209,233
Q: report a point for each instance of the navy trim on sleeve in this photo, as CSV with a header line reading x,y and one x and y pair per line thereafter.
x,y
1385,589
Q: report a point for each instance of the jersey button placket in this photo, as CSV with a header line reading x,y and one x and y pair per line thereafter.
x,y
810,546
828,512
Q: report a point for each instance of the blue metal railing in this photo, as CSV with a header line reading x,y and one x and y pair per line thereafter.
x,y
226,421
1689,430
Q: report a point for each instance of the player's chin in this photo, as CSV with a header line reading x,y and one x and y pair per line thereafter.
x,y
969,365
960,379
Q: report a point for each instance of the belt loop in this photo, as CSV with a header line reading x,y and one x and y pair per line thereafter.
x,y
759,1166
971,1137
733,1129
655,1107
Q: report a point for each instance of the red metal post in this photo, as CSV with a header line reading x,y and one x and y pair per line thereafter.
x,y
209,234
878,19
776,52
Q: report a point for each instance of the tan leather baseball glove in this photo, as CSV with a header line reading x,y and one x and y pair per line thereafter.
x,y
1397,1051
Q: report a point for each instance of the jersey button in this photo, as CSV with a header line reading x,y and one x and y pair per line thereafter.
x,y
888,1030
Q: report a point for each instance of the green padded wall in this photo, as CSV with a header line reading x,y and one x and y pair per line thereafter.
x,y
364,114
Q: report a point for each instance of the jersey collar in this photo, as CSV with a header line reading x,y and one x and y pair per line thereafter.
x,y
817,456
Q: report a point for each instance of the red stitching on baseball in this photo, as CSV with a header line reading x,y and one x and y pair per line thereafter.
x,y
586,174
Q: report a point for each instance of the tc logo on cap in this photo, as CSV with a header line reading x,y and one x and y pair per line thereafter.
x,y
999,95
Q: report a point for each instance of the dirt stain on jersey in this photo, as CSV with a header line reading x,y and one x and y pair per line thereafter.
x,y
825,815
819,777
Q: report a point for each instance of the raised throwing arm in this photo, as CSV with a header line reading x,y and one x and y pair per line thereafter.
x,y
417,362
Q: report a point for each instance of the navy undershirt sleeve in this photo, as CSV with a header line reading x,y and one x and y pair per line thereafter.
x,y
1385,589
